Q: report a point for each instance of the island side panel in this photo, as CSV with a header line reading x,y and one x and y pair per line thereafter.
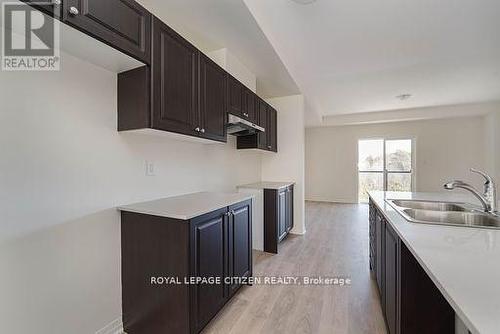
x,y
151,247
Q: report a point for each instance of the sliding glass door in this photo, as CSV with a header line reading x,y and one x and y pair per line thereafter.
x,y
384,164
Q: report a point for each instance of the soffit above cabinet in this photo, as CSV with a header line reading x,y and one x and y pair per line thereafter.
x,y
217,24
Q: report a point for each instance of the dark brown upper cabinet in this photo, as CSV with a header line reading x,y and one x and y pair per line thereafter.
x,y
122,24
241,100
235,96
272,129
182,92
267,140
174,82
213,100
262,116
249,105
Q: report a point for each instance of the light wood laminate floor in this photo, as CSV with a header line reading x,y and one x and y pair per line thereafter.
x,y
336,244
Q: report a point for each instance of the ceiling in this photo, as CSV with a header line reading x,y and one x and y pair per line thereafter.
x,y
353,56
217,24
356,56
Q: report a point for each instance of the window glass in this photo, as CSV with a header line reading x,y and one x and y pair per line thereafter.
x,y
398,155
371,155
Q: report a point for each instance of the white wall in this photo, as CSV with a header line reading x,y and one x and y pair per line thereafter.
x,y
288,163
492,137
230,63
445,149
63,169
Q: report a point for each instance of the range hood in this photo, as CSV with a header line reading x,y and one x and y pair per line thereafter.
x,y
238,126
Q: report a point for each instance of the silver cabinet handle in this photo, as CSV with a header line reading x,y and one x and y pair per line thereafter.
x,y
74,11
202,130
197,129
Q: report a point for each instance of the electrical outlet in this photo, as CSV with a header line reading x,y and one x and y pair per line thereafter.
x,y
150,168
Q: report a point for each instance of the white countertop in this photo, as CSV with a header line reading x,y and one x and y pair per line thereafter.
x,y
186,207
266,185
464,263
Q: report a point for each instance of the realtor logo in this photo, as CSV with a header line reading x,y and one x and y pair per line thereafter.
x,y
30,38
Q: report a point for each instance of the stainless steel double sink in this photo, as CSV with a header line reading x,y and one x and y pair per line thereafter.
x,y
445,213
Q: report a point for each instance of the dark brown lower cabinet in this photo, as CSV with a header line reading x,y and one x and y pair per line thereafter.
x,y
391,261
216,245
278,216
410,301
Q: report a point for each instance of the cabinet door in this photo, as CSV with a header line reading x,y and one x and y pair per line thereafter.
x,y
235,96
391,279
123,24
262,116
379,239
209,261
272,139
282,214
175,82
212,99
372,243
289,209
240,242
249,100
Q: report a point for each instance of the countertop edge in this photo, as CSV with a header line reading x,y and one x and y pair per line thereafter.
x,y
259,185
130,208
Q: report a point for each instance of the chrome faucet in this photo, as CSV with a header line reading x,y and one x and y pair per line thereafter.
x,y
489,197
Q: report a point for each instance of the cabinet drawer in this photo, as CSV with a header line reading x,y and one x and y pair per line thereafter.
x,y
122,24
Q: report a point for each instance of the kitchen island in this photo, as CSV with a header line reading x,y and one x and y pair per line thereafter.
x,y
461,262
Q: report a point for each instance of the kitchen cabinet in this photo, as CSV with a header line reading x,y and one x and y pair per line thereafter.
x,y
213,97
174,82
380,269
289,209
272,132
209,261
282,211
372,243
239,243
179,90
122,24
262,116
278,216
411,303
182,92
249,105
391,278
235,97
268,140
216,245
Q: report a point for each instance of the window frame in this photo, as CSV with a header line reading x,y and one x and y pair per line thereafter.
x,y
386,172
